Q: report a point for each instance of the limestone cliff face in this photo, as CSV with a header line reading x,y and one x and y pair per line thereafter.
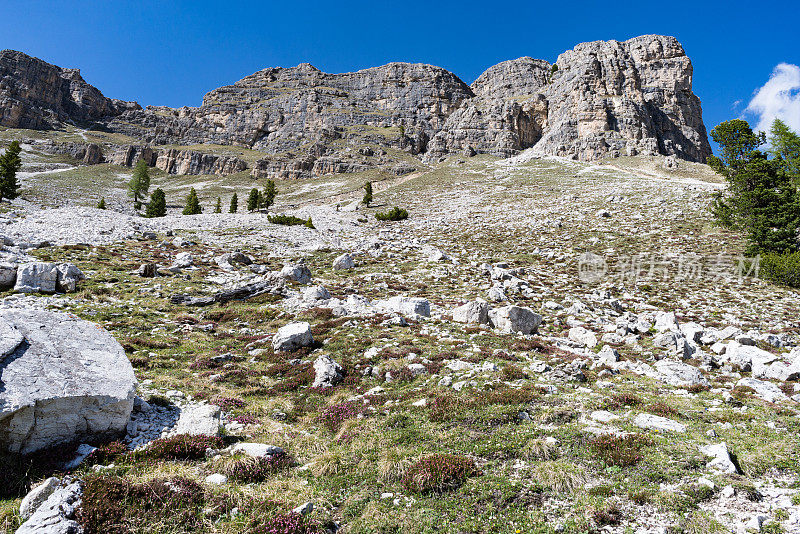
x,y
277,109
601,98
35,94
604,98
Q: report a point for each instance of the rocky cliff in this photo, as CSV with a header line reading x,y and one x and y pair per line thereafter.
x,y
35,94
601,98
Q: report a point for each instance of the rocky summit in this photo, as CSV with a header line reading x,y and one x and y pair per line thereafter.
x,y
387,301
601,98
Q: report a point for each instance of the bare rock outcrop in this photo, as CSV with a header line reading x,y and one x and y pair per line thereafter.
x,y
66,380
601,98
37,95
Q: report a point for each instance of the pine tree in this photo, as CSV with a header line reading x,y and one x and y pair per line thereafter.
x,y
367,200
253,200
218,207
10,163
785,147
761,199
192,204
139,184
102,204
268,197
234,204
157,207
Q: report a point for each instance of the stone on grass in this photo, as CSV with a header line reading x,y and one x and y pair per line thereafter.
x,y
721,458
199,420
510,319
679,374
475,312
216,479
655,422
410,306
184,259
256,450
37,496
581,335
327,373
344,263
69,379
68,277
315,293
666,322
296,273
36,277
56,515
292,337
8,275
763,390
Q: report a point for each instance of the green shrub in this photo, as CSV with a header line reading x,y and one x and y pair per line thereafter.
x,y
394,214
782,269
290,220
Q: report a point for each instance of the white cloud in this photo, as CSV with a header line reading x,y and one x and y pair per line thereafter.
x,y
779,98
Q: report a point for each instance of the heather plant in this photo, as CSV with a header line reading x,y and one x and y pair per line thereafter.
x,y
438,473
334,416
180,447
620,451
113,505
248,469
286,523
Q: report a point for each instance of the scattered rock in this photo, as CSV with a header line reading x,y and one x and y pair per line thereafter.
x,y
293,336
344,263
327,373
510,319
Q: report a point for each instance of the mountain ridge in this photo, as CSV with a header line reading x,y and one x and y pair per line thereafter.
x,y
602,98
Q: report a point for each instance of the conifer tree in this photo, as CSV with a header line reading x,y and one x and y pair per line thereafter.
x,y
192,204
157,207
139,184
10,163
102,204
367,200
234,204
218,206
761,199
253,200
268,197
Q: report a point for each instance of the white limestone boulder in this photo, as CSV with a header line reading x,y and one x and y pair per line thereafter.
x,y
68,379
510,319
293,336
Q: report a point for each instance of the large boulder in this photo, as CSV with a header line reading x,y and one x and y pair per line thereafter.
x,y
67,379
296,273
327,373
344,263
293,336
8,275
42,277
57,514
679,374
475,312
36,277
510,319
403,305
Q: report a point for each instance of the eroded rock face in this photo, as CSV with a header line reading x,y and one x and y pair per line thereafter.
x,y
35,94
601,98
68,379
604,98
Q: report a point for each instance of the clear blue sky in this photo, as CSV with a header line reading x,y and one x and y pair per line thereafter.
x,y
171,53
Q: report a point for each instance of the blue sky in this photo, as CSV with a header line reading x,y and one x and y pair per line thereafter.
x,y
171,53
